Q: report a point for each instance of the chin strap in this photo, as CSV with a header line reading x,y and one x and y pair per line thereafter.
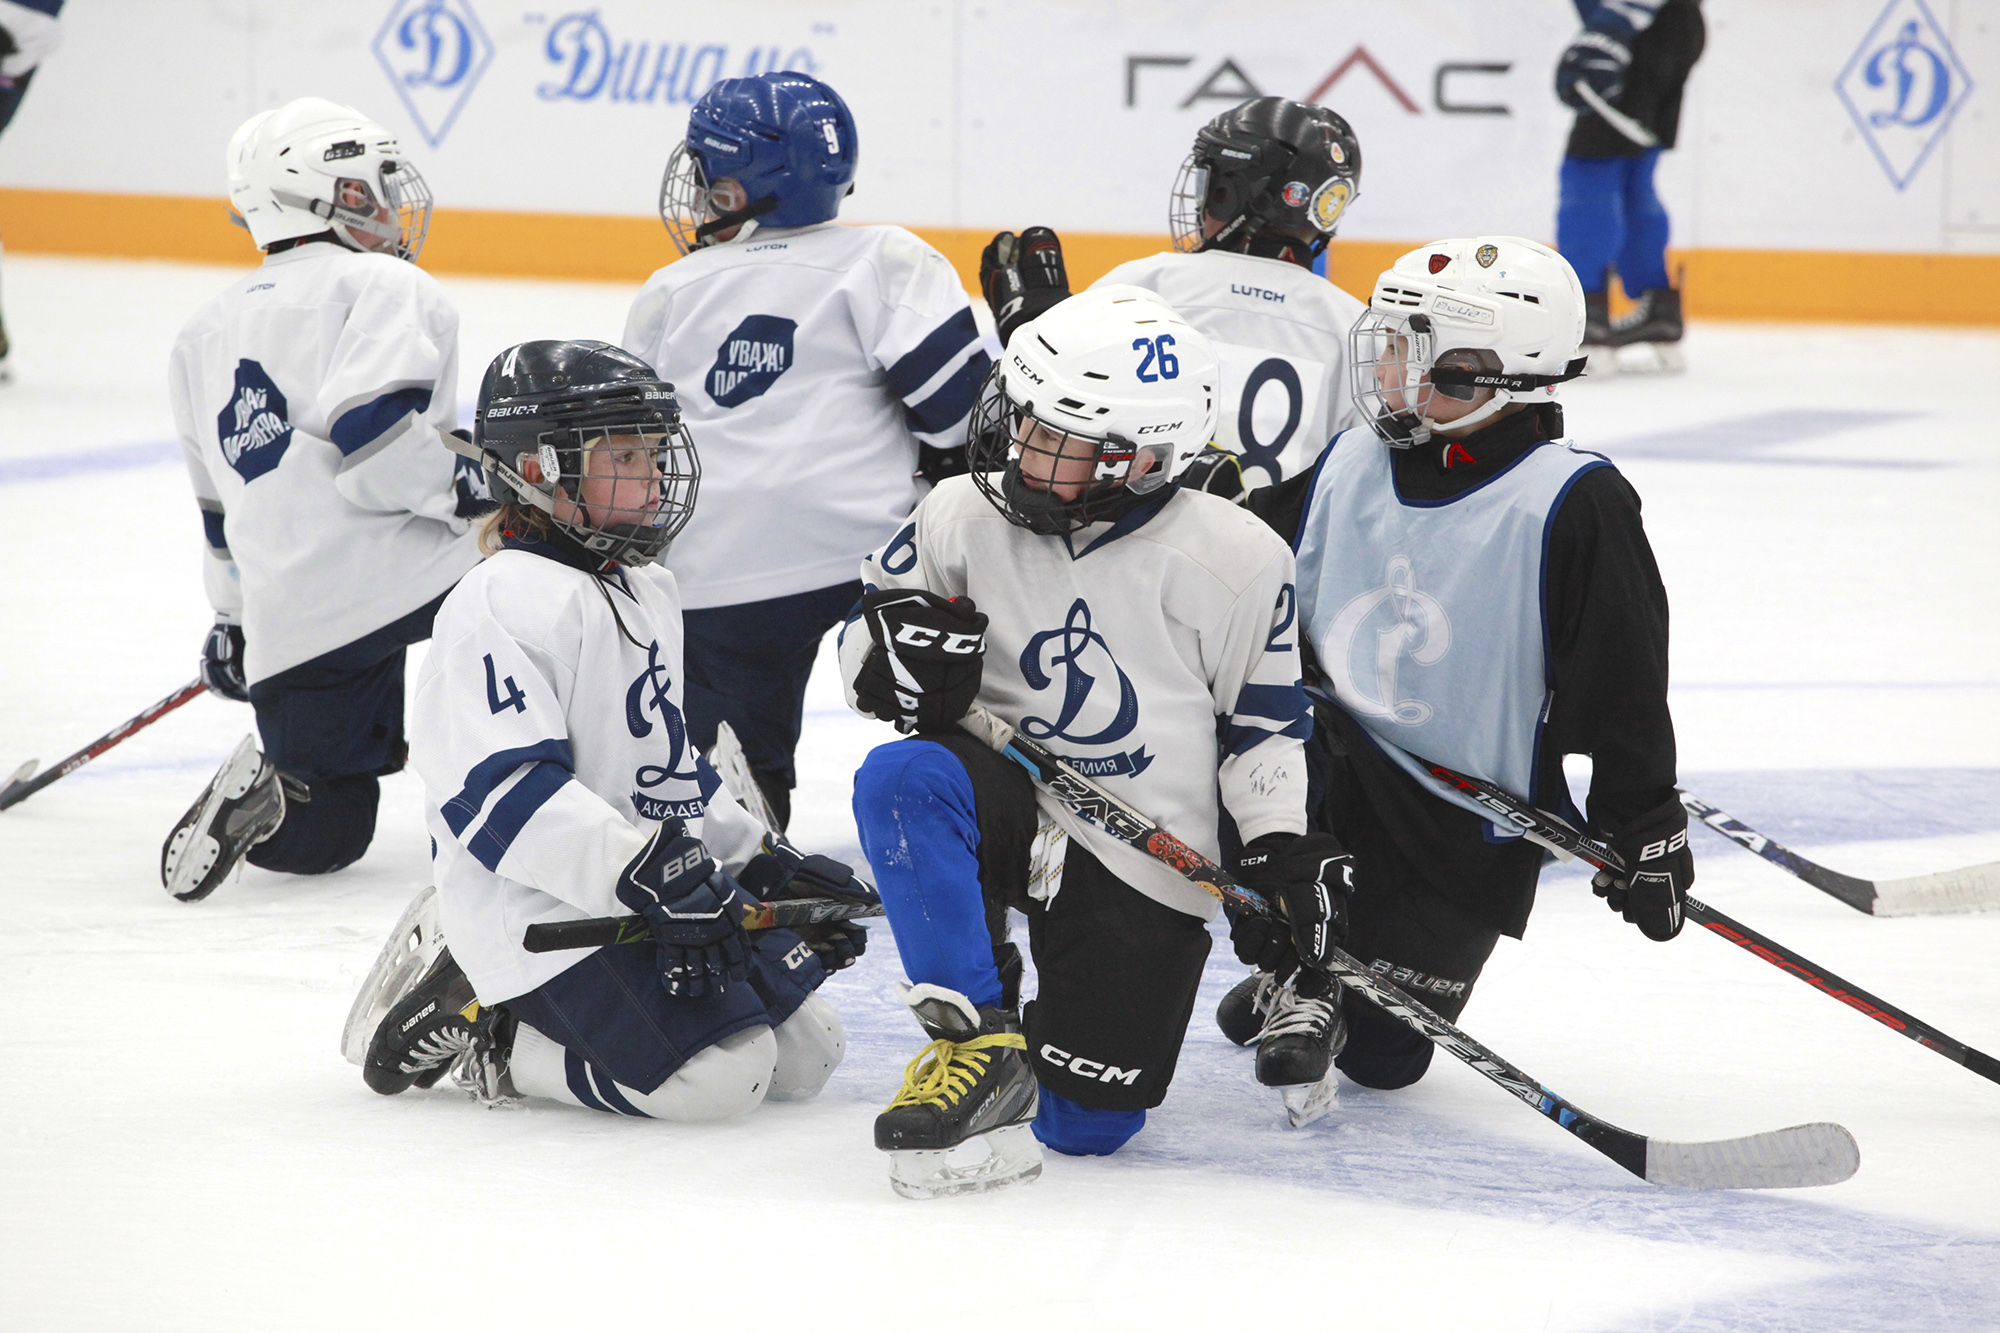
x,y
735,217
1493,379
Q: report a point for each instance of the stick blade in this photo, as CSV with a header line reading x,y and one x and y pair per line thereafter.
x,y
18,779
1973,889
1822,1153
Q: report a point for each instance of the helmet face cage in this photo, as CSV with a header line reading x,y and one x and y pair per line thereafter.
x,y
1390,359
393,219
642,479
1017,459
1187,207
684,201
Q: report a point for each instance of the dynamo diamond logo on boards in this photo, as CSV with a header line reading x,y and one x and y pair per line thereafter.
x,y
1902,86
434,52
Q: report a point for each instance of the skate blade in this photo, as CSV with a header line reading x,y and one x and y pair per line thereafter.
x,y
1307,1102
406,955
1012,1156
182,878
1651,359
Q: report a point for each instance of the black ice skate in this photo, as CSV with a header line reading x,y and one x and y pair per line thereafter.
x,y
440,1027
1306,1029
244,804
1242,1012
413,945
971,1082
1597,329
1655,324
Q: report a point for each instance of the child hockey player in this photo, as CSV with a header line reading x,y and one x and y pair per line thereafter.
x,y
560,784
1255,204
311,399
1073,588
30,31
828,371
1475,592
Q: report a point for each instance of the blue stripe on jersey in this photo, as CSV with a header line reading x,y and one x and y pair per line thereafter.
x,y
211,527
1236,738
577,1075
1280,703
361,426
493,770
53,8
953,402
607,1088
706,777
933,354
516,808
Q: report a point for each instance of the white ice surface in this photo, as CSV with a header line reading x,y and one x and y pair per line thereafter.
x,y
182,1146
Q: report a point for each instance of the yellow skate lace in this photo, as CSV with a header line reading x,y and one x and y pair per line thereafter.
x,y
944,1070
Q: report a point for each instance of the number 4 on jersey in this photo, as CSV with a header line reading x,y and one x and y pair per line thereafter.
x,y
517,700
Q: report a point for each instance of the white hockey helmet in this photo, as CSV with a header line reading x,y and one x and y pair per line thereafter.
x,y
1100,401
312,165
1457,316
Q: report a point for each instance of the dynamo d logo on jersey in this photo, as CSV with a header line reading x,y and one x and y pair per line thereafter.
x,y
1077,660
256,428
1368,640
750,360
648,693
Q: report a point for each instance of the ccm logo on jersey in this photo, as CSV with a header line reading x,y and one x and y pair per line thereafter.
x,y
1097,1069
919,636
1653,851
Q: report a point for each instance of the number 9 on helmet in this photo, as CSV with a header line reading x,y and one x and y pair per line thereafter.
x,y
1093,406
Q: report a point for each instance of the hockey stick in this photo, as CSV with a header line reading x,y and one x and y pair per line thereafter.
x,y
1815,1154
1973,889
787,913
1617,119
20,786
1565,841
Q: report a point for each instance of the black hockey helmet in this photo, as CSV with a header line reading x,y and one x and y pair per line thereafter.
x,y
1269,167
616,470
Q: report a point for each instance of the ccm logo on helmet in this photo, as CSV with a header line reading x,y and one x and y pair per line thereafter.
x,y
1159,429
1097,1069
1022,366
919,636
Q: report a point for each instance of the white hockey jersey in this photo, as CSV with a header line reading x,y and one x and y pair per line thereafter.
x,y
309,398
1159,659
549,745
1281,332
35,31
811,362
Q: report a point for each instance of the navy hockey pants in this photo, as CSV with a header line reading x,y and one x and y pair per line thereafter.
x,y
335,725
747,665
1610,214
946,825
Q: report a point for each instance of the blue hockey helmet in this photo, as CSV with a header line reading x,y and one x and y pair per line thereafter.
x,y
786,138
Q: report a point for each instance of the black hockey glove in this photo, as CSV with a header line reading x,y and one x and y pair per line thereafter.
x,y
1216,471
1022,276
783,871
694,910
1659,871
222,662
1307,876
1598,58
923,672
